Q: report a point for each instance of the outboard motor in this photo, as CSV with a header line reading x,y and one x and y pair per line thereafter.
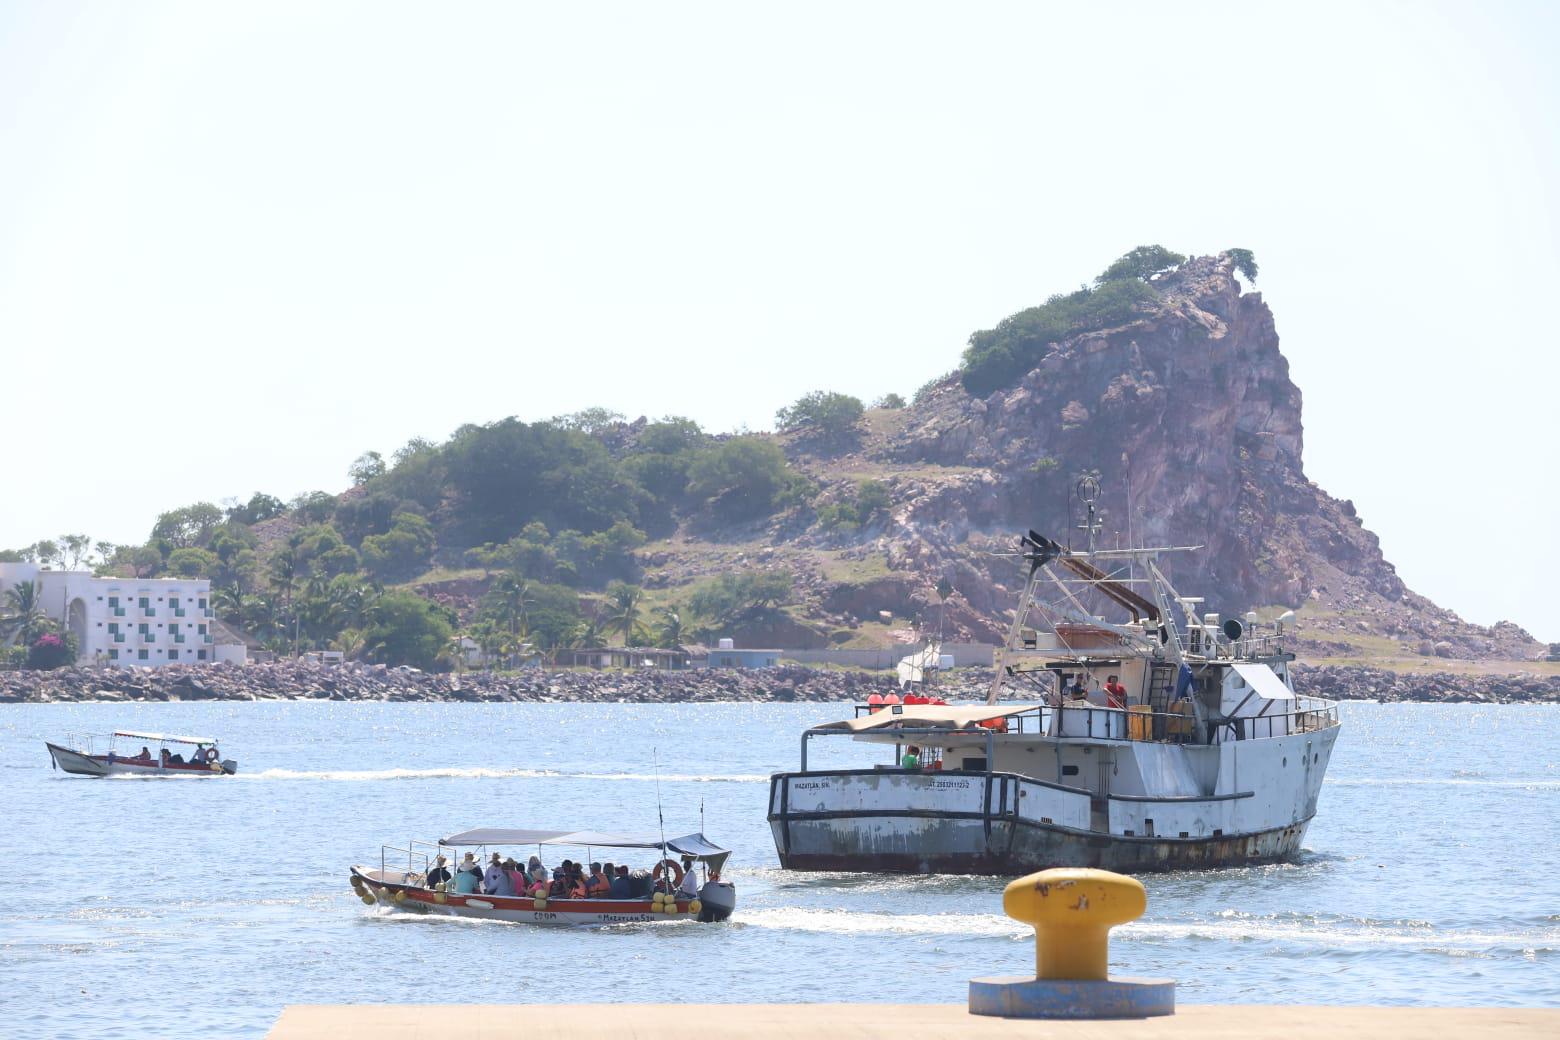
x,y
719,899
230,766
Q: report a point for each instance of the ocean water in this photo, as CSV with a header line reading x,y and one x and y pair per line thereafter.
x,y
201,907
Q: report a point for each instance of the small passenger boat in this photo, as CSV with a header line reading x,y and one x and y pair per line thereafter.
x,y
170,759
657,895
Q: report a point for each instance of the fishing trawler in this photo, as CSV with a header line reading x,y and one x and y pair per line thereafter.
x,y
651,896
1149,736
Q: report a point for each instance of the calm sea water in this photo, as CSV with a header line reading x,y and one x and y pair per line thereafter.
x,y
1432,874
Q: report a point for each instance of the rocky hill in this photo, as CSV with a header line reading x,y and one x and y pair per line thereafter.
x,y
1186,414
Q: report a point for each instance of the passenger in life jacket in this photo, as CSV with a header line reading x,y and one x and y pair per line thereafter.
x,y
598,885
1115,693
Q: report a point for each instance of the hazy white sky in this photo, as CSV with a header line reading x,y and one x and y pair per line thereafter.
x,y
242,243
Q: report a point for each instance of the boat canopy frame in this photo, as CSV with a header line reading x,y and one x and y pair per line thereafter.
x,y
164,738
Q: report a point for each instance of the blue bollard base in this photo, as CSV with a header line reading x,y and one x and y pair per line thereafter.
x,y
1014,996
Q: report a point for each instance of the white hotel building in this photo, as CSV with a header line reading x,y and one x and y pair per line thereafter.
x,y
129,622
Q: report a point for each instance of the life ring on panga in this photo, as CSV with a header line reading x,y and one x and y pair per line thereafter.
x,y
660,871
211,754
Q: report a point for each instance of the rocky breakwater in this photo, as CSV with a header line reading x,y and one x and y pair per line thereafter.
x,y
1348,682
294,681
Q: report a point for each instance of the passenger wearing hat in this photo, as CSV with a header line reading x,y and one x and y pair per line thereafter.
x,y
439,874
495,882
468,878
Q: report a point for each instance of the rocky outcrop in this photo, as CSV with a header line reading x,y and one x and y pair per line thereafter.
x,y
1189,419
293,681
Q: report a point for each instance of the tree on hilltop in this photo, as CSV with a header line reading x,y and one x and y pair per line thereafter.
x,y
1141,263
1245,262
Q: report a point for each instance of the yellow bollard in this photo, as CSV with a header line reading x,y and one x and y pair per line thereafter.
x,y
1072,911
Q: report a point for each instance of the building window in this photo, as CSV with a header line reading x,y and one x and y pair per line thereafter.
x,y
200,629
201,603
173,655
201,654
140,655
113,655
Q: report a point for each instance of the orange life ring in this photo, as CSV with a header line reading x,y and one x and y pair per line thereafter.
x,y
677,871
211,754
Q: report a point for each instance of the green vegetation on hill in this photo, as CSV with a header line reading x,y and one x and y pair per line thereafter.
x,y
555,509
997,357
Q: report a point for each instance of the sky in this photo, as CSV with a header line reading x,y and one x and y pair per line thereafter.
x,y
240,244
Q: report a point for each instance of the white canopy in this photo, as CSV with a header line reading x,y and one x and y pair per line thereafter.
x,y
953,716
695,845
1265,681
164,738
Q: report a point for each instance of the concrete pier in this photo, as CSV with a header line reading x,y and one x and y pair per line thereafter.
x,y
893,1022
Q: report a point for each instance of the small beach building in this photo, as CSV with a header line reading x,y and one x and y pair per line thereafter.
x,y
727,655
625,657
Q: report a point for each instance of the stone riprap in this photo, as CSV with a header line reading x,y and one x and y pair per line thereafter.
x,y
294,681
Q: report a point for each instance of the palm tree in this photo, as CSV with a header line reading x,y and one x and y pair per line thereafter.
x,y
23,612
623,604
350,642
514,602
671,633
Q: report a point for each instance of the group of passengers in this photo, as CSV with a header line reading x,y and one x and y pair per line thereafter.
x,y
569,880
167,758
1085,687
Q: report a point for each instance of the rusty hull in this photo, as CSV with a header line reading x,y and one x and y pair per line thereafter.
x,y
963,846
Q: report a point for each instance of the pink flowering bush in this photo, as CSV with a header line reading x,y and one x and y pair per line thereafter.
x,y
49,651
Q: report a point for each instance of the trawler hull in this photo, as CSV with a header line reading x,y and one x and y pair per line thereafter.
x,y
976,822
902,845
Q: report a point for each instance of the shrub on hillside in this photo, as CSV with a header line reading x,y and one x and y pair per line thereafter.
x,y
822,415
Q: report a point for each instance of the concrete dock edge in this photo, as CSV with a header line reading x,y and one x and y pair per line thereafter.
x,y
896,1021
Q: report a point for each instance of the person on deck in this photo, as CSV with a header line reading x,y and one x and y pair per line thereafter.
x,y
1115,693
621,887
598,885
145,755
1079,690
495,880
912,759
468,879
439,874
690,882
517,878
559,889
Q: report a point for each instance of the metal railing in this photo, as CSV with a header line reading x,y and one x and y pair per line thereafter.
x,y
1092,722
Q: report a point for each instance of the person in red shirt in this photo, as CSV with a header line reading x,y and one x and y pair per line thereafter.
x,y
1115,693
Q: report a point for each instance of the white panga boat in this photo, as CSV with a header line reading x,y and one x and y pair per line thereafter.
x,y
203,758
655,896
1195,752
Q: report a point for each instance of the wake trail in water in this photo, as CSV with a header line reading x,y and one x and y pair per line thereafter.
x,y
481,773
1318,933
